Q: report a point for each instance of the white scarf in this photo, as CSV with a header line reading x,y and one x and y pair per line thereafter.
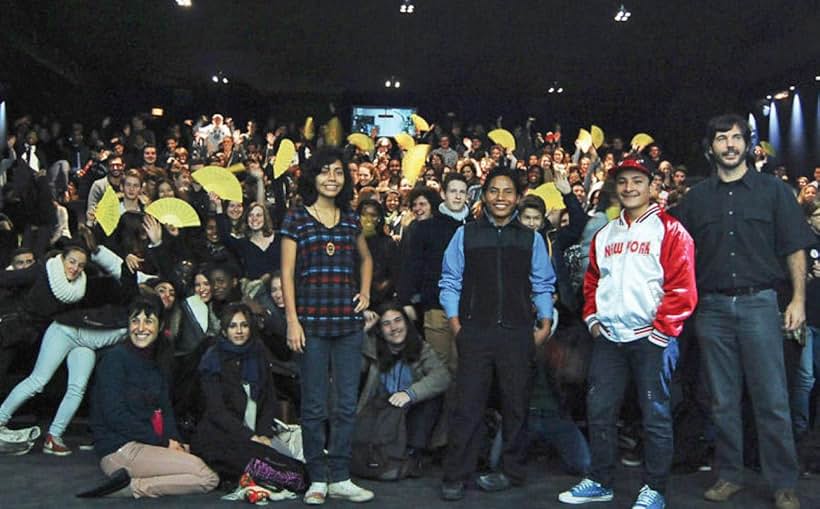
x,y
67,292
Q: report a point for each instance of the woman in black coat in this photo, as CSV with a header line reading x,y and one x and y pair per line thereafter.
x,y
240,398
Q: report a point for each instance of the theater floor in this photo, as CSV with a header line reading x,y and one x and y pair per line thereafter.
x,y
40,481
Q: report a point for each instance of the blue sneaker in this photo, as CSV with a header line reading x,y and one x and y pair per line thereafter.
x,y
586,491
649,499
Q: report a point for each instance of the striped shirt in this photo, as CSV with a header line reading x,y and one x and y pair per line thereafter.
x,y
325,273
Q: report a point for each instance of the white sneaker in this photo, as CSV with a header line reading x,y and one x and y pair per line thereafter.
x,y
316,494
19,435
349,491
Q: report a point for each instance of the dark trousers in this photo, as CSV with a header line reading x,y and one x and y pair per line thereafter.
x,y
610,369
484,352
741,339
421,419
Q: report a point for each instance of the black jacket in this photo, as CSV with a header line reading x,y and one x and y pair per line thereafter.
x,y
222,426
421,260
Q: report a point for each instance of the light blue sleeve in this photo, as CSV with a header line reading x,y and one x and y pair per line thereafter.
x,y
452,270
542,278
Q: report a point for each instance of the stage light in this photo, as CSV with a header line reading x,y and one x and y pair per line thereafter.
x,y
551,90
184,3
407,7
783,94
769,97
792,88
224,81
215,78
157,112
622,16
817,78
560,90
397,84
388,84
797,134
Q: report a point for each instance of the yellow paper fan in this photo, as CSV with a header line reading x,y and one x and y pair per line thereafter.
x,y
284,158
108,211
768,148
413,162
173,211
333,132
405,141
420,124
584,140
550,194
309,130
236,168
362,141
218,180
641,140
597,136
503,137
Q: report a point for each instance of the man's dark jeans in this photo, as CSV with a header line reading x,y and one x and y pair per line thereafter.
x,y
651,368
741,339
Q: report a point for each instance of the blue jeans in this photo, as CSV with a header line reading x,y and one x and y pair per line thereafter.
x,y
741,339
61,342
651,367
339,358
563,435
800,392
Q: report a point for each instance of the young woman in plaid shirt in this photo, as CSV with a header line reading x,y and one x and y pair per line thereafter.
x,y
321,243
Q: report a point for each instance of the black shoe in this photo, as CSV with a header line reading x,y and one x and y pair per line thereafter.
x,y
120,480
495,481
452,491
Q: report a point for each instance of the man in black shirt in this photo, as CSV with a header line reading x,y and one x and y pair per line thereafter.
x,y
745,224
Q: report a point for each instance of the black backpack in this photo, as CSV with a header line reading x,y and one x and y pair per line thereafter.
x,y
380,442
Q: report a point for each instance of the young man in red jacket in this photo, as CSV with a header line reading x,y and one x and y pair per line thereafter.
x,y
639,288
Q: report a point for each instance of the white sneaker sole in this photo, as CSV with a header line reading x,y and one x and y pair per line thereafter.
x,y
568,498
55,453
20,435
357,498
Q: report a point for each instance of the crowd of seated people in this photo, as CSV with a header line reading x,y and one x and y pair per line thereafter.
x,y
313,296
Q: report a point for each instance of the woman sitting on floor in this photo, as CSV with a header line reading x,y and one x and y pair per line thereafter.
x,y
135,433
240,398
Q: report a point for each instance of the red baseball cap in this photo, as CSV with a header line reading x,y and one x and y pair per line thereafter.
x,y
630,163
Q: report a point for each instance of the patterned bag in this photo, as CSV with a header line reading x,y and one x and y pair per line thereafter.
x,y
278,473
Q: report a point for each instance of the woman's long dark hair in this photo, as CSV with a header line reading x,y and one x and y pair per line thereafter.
x,y
313,167
227,314
412,342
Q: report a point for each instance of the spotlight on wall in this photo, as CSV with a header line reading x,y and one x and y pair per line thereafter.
x,y
407,7
622,16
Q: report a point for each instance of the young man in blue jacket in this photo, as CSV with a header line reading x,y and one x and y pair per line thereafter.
x,y
494,271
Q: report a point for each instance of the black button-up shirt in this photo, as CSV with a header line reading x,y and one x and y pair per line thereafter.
x,y
742,230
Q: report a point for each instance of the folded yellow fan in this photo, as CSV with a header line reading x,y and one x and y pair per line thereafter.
x,y
108,211
405,141
768,148
309,130
218,180
550,194
362,141
597,136
284,158
413,162
503,137
420,124
173,211
641,140
333,132
584,140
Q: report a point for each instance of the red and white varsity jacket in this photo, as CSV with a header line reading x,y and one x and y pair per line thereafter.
x,y
641,278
